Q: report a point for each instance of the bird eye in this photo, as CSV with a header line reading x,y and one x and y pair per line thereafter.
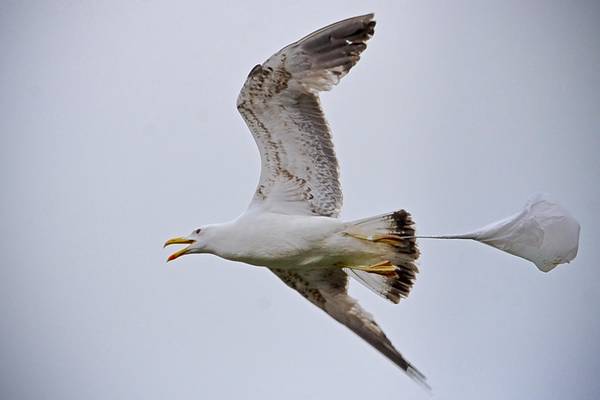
x,y
198,231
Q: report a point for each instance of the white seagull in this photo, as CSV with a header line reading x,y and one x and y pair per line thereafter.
x,y
292,225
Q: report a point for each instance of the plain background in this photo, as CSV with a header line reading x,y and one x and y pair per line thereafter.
x,y
119,130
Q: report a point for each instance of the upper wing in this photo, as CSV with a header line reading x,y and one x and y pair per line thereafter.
x,y
280,105
327,289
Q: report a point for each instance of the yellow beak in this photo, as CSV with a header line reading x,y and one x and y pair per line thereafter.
x,y
178,240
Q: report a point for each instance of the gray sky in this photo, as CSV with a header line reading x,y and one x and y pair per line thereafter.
x,y
119,130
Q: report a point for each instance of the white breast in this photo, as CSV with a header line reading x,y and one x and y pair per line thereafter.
x,y
275,240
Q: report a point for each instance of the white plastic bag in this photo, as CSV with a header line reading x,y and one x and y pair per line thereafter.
x,y
543,232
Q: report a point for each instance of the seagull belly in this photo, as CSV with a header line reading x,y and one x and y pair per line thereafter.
x,y
283,241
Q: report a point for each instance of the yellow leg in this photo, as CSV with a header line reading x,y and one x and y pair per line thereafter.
x,y
383,268
390,238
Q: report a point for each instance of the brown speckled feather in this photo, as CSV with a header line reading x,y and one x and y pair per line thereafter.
x,y
280,104
327,289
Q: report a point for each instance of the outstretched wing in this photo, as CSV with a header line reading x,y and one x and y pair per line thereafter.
x,y
327,289
281,106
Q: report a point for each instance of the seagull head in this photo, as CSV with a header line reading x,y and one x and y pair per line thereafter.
x,y
196,242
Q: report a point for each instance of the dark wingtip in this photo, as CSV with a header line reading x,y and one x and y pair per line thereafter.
x,y
418,377
371,23
367,17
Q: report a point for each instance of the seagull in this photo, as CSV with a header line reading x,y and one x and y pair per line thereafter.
x,y
291,225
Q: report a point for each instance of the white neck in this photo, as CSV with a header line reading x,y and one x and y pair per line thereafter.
x,y
221,240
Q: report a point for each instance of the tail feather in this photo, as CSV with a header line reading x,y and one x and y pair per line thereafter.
x,y
393,232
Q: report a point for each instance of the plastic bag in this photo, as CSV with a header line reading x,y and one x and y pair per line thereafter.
x,y
544,233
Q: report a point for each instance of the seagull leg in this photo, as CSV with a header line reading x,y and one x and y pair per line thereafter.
x,y
382,268
388,239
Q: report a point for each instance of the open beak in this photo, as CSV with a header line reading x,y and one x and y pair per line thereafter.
x,y
179,253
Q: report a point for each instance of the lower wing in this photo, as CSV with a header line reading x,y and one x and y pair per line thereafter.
x,y
327,289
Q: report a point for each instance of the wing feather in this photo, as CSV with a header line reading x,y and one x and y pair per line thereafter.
x,y
327,289
280,104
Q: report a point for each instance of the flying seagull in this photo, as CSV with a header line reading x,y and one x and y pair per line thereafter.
x,y
292,225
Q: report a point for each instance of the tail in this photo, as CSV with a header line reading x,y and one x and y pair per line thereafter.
x,y
394,269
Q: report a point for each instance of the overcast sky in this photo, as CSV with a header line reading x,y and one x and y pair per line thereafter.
x,y
119,130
